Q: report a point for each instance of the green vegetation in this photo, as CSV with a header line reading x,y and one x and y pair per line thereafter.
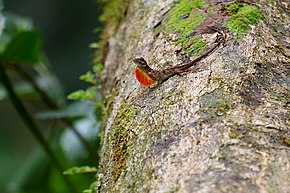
x,y
113,13
184,26
113,10
79,170
23,62
25,47
196,47
233,8
210,10
120,136
21,54
182,20
243,18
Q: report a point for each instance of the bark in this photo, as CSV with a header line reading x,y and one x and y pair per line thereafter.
x,y
222,129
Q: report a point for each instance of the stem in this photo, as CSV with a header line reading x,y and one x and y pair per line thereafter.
x,y
26,118
51,104
46,99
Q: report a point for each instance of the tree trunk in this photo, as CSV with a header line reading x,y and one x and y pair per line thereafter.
x,y
224,128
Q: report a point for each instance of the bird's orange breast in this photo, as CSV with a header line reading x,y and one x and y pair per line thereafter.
x,y
143,77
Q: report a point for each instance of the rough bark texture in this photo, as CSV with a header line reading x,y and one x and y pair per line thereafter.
x,y
223,129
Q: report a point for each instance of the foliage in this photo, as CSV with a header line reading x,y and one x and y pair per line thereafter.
x,y
26,76
80,170
182,19
25,47
87,94
243,18
184,26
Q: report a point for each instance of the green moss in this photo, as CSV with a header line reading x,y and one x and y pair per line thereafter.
x,y
113,13
210,10
192,46
195,49
186,6
182,19
184,26
200,46
119,137
245,16
114,10
233,8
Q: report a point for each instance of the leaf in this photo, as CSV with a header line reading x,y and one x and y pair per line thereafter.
x,y
94,45
13,24
24,48
16,23
76,95
88,191
93,187
80,170
88,77
89,94
98,68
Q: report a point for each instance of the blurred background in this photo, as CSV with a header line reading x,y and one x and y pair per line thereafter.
x,y
67,29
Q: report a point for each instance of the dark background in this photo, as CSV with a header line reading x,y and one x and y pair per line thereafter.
x,y
67,30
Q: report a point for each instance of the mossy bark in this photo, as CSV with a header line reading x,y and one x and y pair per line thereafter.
x,y
225,128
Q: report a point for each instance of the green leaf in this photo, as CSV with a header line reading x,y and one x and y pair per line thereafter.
x,y
25,48
76,95
80,170
88,191
13,25
98,68
88,77
93,187
94,45
16,23
90,93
